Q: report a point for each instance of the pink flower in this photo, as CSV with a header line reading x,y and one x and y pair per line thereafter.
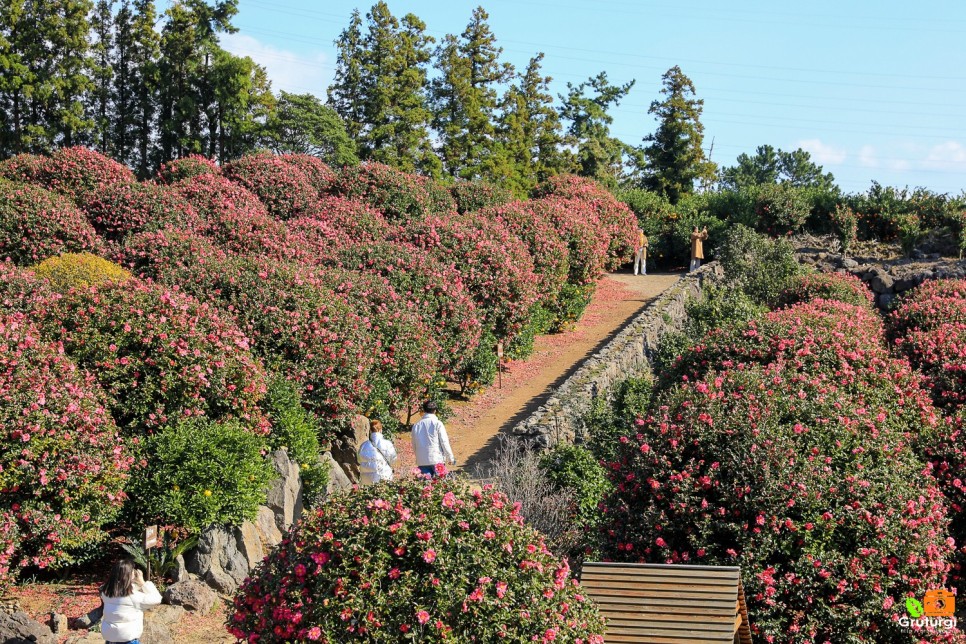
x,y
429,556
422,617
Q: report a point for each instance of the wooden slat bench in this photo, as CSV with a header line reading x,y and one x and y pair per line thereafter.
x,y
659,604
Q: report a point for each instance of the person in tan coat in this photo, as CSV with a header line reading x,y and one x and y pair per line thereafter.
x,y
697,247
640,253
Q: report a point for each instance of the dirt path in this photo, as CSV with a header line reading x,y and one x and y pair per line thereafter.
x,y
475,425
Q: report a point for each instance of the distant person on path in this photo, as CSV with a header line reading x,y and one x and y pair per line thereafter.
x,y
376,457
430,442
697,248
640,252
125,596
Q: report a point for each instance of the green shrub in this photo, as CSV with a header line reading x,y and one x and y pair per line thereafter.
x,y
841,287
845,226
571,304
719,306
780,209
298,431
575,468
413,560
760,266
539,322
610,420
481,369
198,473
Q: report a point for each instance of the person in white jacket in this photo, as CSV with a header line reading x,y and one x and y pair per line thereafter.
x,y
125,596
430,442
376,456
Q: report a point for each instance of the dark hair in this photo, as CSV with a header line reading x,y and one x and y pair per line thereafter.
x,y
121,581
430,407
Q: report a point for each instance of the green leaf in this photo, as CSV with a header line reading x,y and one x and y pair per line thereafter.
x,y
914,606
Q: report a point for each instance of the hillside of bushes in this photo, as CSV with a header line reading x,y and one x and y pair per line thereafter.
x,y
227,310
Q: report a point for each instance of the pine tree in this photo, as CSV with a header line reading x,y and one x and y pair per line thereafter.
x,y
348,92
599,155
65,34
675,158
394,74
242,101
103,65
530,131
141,46
465,98
19,48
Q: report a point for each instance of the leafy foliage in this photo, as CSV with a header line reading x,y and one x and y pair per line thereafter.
x,y
70,270
454,564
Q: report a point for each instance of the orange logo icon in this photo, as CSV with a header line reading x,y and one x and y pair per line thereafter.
x,y
939,603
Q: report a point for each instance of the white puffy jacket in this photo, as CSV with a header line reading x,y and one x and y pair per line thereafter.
x,y
376,457
430,442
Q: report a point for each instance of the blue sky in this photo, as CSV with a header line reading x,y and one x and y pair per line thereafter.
x,y
873,90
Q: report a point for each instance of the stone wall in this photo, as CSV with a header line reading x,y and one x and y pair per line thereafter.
x,y
560,418
887,277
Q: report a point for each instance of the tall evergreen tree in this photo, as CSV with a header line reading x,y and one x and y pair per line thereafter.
x,y
242,100
20,47
348,92
141,44
675,158
599,155
395,111
103,65
530,131
465,99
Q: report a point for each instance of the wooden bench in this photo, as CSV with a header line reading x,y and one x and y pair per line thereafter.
x,y
659,604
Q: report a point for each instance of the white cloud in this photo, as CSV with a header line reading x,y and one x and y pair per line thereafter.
x,y
948,156
868,156
289,71
822,153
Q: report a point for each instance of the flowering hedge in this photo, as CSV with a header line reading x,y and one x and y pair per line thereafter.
x,y
158,354
286,191
63,464
551,259
81,174
471,196
295,320
940,354
193,165
932,303
320,176
414,560
36,224
495,265
21,291
841,287
181,258
126,208
434,287
354,218
817,495
579,227
22,168
70,270
399,196
617,222
236,219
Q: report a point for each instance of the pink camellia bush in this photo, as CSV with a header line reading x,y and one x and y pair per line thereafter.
x,y
21,291
818,336
22,168
159,354
320,176
81,174
286,191
814,492
495,265
932,303
36,224
176,257
358,221
193,165
617,222
128,208
300,325
580,228
471,196
63,467
551,259
841,287
399,196
396,334
940,354
413,560
434,287
236,219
